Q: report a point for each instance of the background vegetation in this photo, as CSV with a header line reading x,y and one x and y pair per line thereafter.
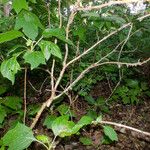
x,y
65,64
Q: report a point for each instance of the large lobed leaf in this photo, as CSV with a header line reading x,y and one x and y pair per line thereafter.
x,y
9,68
62,127
49,48
18,5
58,33
29,22
18,138
34,58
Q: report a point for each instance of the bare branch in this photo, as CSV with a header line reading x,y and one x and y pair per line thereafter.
x,y
71,17
110,3
97,43
52,75
25,95
128,36
100,64
126,127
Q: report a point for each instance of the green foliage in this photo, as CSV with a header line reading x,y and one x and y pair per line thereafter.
x,y
43,138
29,23
85,141
3,114
34,58
3,89
18,5
10,105
110,132
98,104
49,120
15,103
49,48
9,68
106,140
58,33
33,35
130,92
65,110
18,138
10,35
62,127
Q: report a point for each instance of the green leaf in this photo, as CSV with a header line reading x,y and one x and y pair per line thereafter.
x,y
9,68
33,109
2,89
92,113
144,86
13,102
86,141
126,100
2,114
90,100
49,48
62,127
34,58
63,109
111,133
10,35
43,138
18,138
29,22
85,120
33,1
2,148
18,5
99,119
58,33
49,120
55,50
132,83
106,140
80,32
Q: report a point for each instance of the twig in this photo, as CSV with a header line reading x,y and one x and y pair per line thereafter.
x,y
25,95
108,81
126,127
38,115
41,87
119,2
71,17
97,43
59,13
118,83
40,90
96,65
33,87
53,90
128,36
49,14
52,75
